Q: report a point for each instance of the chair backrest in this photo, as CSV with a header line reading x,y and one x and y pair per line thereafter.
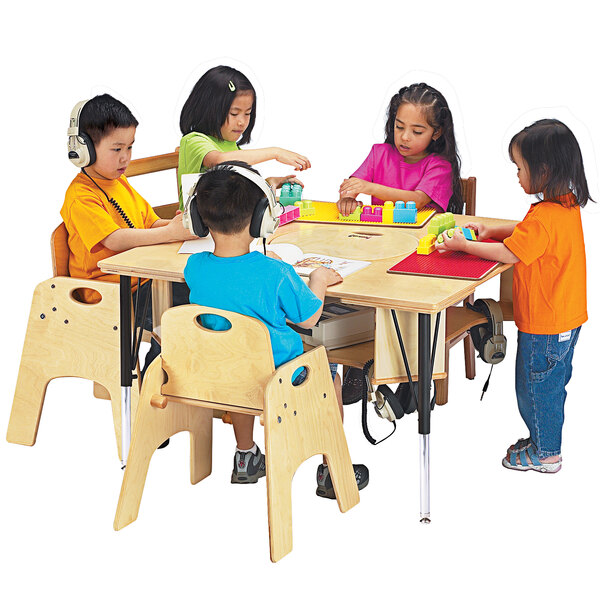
x,y
226,367
59,250
469,190
154,164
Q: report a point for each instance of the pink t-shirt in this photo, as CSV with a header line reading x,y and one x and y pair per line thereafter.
x,y
386,166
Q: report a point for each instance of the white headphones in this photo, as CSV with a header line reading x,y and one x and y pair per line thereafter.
x,y
265,218
81,148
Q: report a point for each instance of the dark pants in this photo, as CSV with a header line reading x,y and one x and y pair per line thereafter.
x,y
181,295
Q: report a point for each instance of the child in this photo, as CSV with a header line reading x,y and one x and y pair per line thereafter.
x,y
549,288
103,214
418,162
220,111
233,278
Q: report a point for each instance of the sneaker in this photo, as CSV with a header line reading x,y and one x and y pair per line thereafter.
x,y
248,467
352,388
325,487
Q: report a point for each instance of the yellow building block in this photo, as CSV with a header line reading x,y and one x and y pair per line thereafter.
x,y
388,213
426,244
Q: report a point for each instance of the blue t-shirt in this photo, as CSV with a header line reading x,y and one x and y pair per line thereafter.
x,y
257,286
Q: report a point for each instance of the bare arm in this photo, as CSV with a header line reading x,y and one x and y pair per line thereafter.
x,y
491,251
319,280
258,155
161,232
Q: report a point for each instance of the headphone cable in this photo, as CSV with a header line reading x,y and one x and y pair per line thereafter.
x,y
112,202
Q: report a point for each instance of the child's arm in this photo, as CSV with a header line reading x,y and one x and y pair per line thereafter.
x,y
318,282
161,232
491,251
493,232
259,155
353,186
277,182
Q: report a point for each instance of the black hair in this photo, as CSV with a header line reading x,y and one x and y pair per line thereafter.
x,y
101,115
208,104
439,117
225,199
553,158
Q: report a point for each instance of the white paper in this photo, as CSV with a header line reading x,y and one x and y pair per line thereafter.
x,y
206,244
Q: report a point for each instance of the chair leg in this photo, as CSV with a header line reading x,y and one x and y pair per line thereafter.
x,y
469,358
441,385
342,475
469,348
152,427
279,505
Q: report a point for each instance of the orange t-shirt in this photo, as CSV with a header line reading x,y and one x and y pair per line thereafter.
x,y
89,218
549,285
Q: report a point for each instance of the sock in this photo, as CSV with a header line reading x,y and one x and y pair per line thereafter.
x,y
254,449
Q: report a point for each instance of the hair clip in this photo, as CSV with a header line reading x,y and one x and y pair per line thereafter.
x,y
231,86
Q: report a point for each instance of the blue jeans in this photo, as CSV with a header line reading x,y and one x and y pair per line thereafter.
x,y
543,369
301,374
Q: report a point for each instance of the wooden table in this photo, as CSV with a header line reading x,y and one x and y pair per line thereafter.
x,y
418,296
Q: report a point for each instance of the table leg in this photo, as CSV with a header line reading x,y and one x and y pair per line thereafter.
x,y
126,376
424,408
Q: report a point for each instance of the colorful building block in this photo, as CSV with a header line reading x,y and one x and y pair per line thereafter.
x,y
469,233
353,216
405,214
440,223
290,194
426,244
372,214
306,207
289,214
388,213
466,231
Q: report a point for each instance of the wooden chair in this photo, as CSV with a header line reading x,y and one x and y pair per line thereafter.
x,y
193,376
59,327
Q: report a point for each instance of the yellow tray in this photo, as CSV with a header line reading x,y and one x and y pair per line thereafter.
x,y
327,212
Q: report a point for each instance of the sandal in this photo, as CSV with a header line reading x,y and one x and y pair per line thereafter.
x,y
530,461
520,444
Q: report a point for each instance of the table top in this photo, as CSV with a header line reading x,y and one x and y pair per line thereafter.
x,y
371,286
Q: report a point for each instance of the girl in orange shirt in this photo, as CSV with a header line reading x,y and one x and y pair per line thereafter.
x,y
549,286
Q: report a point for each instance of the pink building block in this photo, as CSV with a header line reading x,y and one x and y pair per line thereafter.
x,y
290,213
371,214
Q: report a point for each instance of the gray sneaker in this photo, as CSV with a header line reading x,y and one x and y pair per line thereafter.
x,y
325,486
248,467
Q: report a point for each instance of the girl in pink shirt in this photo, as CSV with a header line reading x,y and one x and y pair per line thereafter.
x,y
418,161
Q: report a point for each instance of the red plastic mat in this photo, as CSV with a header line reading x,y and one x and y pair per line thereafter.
x,y
453,264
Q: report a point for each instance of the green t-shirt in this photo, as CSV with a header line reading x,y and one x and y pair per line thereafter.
x,y
192,150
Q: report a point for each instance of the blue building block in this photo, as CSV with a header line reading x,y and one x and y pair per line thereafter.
x,y
405,214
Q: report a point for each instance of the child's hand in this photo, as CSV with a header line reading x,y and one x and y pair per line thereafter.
x,y
277,182
177,230
347,205
273,255
326,276
482,231
457,242
287,157
354,186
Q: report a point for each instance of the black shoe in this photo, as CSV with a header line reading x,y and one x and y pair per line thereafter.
x,y
352,389
164,444
325,487
248,467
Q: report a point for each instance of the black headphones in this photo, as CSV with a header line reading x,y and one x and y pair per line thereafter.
x,y
265,217
81,148
488,338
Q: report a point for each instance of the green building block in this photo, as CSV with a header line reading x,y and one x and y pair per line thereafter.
x,y
353,216
440,223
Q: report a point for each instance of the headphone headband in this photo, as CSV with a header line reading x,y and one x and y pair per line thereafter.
x,y
265,217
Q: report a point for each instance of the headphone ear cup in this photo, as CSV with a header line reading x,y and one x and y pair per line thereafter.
x,y
197,226
391,408
261,211
91,150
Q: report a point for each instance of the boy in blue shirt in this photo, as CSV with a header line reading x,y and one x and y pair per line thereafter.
x,y
250,283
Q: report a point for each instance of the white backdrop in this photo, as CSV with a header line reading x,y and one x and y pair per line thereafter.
x,y
324,73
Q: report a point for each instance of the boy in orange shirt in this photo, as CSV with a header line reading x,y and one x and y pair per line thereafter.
x,y
103,214
549,286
